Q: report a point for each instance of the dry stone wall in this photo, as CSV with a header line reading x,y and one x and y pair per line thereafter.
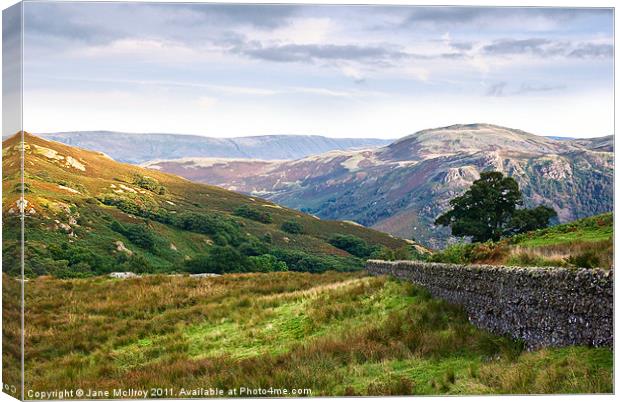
x,y
542,306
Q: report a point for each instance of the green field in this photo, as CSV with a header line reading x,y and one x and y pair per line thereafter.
x,y
592,229
585,243
332,333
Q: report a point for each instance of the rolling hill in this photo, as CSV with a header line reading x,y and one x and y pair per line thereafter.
x,y
139,148
402,187
88,214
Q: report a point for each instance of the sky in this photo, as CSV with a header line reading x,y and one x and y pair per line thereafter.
x,y
339,71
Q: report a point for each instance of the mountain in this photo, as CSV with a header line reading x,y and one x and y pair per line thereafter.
x,y
88,214
401,188
139,148
604,144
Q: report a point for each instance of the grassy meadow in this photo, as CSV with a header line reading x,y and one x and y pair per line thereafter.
x,y
585,243
333,333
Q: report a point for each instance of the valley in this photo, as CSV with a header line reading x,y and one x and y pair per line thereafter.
x,y
286,302
402,187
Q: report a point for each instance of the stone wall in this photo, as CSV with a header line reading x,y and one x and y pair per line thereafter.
x,y
542,306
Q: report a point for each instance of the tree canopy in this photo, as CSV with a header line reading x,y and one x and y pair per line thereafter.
x,y
488,210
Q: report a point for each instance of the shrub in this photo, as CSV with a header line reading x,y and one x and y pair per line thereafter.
x,y
587,259
456,254
253,247
222,230
267,263
149,183
219,260
292,227
383,253
304,262
352,245
140,235
254,214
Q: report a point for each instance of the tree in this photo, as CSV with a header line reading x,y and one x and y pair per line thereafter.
x,y
525,220
488,210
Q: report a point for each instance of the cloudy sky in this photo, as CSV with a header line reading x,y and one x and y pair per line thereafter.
x,y
341,71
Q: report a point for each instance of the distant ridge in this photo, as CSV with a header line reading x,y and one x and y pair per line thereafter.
x,y
402,187
139,148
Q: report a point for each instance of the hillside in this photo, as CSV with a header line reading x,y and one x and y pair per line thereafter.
x,y
139,148
333,334
401,188
87,214
586,243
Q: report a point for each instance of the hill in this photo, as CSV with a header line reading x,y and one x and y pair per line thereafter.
x,y
87,214
586,243
401,188
139,148
329,334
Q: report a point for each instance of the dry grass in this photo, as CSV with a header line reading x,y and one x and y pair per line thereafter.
x,y
337,334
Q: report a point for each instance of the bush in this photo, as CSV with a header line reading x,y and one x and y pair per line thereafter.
x,y
352,245
219,260
221,229
140,235
254,214
587,259
149,183
79,258
304,262
456,254
292,227
253,247
383,253
267,263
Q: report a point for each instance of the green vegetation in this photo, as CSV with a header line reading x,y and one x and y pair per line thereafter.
x,y
149,183
103,216
254,214
592,229
139,235
352,245
488,210
585,243
292,227
334,333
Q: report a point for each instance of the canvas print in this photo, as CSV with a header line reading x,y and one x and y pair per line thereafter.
x,y
277,200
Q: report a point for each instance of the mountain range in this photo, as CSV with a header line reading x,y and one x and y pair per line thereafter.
x,y
402,187
139,148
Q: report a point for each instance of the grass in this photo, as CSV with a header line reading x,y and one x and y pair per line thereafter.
x,y
585,243
589,230
334,333
77,208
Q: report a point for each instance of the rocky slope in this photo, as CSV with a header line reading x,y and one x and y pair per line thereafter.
x,y
138,148
402,187
87,213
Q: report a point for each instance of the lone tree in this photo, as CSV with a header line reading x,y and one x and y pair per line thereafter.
x,y
488,210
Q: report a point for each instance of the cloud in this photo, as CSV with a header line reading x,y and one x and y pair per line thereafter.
x,y
312,52
496,89
51,21
442,16
547,48
533,88
592,50
264,16
538,46
501,89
